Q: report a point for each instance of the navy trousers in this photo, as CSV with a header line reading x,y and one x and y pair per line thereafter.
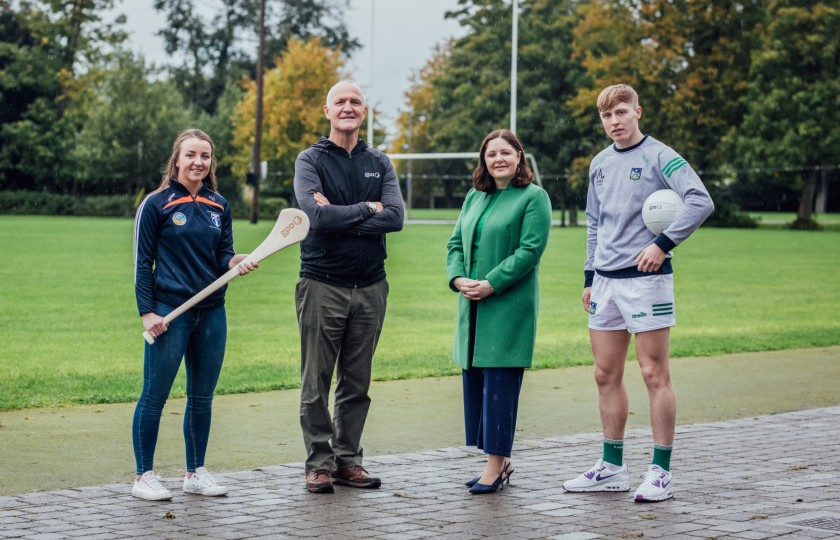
x,y
491,401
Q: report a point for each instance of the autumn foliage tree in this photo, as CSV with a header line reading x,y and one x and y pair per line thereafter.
x,y
294,95
464,91
207,39
690,64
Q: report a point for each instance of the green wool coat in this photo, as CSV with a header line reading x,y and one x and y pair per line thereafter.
x,y
513,240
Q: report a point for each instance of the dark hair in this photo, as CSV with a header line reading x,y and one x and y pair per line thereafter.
x,y
482,180
170,171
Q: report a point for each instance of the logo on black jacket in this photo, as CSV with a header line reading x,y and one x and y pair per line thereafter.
x,y
372,175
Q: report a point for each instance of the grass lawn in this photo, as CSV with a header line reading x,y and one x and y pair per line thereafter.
x,y
773,219
72,335
452,214
787,217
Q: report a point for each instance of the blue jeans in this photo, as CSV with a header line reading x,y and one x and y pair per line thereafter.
x,y
198,336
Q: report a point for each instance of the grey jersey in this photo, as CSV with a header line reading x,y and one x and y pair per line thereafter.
x,y
619,183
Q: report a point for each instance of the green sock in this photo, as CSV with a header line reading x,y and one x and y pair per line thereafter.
x,y
662,456
614,452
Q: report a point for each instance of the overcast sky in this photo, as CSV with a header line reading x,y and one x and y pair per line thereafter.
x,y
404,36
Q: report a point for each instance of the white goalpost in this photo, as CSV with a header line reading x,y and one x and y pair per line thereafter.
x,y
451,155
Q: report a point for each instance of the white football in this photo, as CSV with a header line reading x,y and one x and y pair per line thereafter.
x,y
659,209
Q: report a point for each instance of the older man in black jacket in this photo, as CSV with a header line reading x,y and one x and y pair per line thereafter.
x,y
350,192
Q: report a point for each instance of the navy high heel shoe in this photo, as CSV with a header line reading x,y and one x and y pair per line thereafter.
x,y
472,482
499,484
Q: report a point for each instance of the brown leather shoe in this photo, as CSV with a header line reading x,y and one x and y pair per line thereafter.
x,y
318,481
355,476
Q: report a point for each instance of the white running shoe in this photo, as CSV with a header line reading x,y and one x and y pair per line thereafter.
x,y
600,478
202,482
148,487
657,486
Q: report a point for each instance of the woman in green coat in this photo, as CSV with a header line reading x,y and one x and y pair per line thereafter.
x,y
492,261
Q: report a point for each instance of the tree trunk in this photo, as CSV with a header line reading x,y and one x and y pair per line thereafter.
x,y
804,215
822,194
806,201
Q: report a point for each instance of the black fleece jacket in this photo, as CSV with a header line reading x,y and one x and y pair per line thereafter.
x,y
346,241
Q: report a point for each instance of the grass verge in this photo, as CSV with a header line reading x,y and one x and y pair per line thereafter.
x,y
72,335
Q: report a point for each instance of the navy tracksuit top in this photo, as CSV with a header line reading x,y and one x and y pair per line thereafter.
x,y
181,244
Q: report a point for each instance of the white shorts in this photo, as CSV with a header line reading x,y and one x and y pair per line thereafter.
x,y
638,304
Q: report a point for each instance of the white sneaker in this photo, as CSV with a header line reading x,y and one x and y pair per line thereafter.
x,y
600,478
202,482
148,487
657,486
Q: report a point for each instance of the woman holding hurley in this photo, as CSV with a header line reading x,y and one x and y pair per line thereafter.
x,y
183,241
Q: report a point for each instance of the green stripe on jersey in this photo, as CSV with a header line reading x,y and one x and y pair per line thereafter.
x,y
667,304
672,166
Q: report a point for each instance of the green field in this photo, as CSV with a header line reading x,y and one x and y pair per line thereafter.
x,y
787,217
774,218
71,333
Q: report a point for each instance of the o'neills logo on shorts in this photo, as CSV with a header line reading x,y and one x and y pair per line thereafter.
x,y
288,228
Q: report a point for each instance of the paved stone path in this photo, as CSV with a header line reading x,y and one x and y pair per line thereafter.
x,y
765,477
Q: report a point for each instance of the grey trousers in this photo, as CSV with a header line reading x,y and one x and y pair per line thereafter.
x,y
339,329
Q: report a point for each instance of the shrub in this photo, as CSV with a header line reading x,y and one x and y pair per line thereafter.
x,y
55,204
269,208
727,213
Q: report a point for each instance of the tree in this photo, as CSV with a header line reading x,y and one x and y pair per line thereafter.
x,y
688,61
212,50
49,52
208,48
128,131
611,44
464,92
792,118
716,41
295,93
414,130
548,77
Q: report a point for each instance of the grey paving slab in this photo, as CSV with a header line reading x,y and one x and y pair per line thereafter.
x,y
754,478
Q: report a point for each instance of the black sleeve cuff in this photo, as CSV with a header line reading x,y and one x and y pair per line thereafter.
x,y
588,276
664,243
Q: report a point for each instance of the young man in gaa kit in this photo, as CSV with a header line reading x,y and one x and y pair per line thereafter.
x,y
629,287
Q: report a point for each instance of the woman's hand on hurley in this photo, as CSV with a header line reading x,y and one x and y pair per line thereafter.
x,y
153,324
243,267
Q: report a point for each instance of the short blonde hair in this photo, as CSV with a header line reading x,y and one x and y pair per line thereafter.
x,y
615,94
